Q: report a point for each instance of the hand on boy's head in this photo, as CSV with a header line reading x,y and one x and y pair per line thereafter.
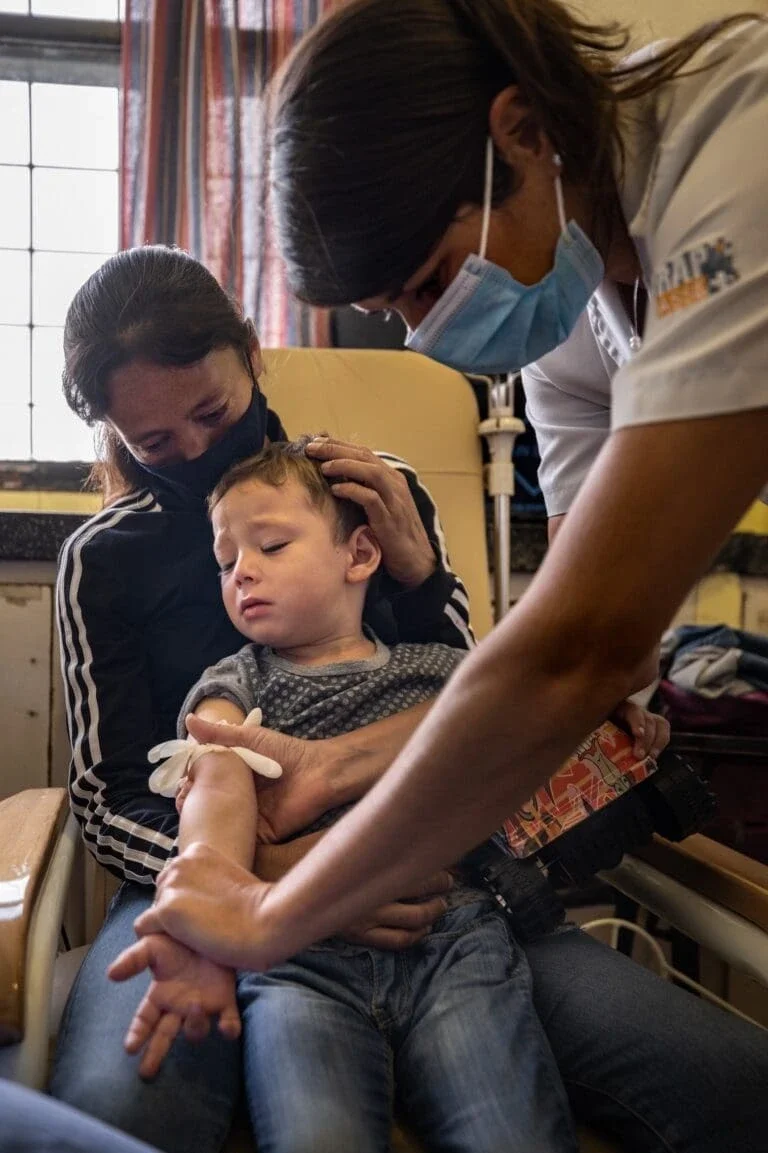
x,y
355,473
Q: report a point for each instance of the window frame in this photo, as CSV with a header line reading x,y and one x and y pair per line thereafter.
x,y
55,50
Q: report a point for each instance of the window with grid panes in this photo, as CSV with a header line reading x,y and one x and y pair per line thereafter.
x,y
58,219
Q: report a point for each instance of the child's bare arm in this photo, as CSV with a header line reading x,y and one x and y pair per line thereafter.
x,y
217,709
220,807
271,862
217,805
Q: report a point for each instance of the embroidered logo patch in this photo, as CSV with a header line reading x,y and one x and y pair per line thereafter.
x,y
693,276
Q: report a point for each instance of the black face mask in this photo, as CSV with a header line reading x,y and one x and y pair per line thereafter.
x,y
199,476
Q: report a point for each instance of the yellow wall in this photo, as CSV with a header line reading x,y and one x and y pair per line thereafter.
x,y
756,520
652,19
85,502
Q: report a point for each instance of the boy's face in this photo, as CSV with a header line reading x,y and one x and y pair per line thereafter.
x,y
283,573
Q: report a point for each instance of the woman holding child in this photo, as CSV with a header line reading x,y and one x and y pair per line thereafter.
x,y
163,360
159,356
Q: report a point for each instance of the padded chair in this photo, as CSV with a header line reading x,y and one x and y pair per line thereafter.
x,y
427,414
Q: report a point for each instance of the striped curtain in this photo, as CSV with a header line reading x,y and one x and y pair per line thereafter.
x,y
193,135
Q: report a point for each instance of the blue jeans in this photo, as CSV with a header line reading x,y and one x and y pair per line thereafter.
x,y
190,1104
32,1123
447,1028
640,1058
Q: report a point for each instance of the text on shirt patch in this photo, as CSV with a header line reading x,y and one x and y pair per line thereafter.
x,y
693,276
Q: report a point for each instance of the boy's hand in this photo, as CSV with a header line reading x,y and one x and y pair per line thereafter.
x,y
651,732
186,992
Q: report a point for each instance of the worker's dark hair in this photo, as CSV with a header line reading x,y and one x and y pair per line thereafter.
x,y
381,119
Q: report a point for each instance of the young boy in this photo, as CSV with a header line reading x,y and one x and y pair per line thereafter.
x,y
446,1026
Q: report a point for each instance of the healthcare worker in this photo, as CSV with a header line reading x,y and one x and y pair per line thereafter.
x,y
490,170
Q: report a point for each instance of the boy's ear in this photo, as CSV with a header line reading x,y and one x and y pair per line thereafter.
x,y
364,554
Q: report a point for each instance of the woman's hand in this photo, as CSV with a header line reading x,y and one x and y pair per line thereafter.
x,y
187,991
651,732
357,474
210,904
304,791
396,925
317,775
400,924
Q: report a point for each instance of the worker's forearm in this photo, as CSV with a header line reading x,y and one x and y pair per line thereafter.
x,y
361,757
648,671
451,785
555,666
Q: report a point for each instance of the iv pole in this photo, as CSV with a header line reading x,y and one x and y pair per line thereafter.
x,y
500,431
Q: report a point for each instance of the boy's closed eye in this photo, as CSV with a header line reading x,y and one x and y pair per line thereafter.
x,y
268,549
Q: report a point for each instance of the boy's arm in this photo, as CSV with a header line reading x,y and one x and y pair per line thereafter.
x,y
271,862
317,775
217,806
396,925
217,709
218,803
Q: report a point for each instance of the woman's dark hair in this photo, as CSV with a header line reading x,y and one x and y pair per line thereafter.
x,y
154,303
381,121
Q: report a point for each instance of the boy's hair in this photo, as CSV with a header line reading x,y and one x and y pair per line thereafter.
x,y
278,462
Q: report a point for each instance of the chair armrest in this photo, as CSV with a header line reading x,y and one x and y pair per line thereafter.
x,y
724,876
30,825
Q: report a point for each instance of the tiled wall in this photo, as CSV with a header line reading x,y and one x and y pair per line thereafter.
x,y
35,750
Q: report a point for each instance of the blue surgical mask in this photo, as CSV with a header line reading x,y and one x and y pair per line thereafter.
x,y
487,322
199,476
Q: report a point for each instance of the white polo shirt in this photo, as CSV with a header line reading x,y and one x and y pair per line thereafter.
x,y
694,191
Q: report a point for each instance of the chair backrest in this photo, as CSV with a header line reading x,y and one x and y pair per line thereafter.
x,y
402,403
